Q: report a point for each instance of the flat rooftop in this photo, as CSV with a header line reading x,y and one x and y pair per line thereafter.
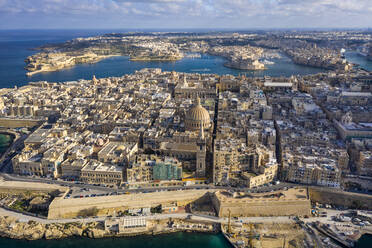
x,y
100,167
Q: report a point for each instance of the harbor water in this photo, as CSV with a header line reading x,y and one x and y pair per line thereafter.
x,y
179,240
5,142
17,45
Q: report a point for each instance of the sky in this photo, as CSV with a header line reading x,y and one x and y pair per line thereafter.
x,y
184,14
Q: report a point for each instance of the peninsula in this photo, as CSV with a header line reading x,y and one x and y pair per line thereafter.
x,y
140,47
44,62
240,50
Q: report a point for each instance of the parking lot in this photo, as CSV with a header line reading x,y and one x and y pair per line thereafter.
x,y
76,192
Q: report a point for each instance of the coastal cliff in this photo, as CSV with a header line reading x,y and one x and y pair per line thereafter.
x,y
32,230
11,227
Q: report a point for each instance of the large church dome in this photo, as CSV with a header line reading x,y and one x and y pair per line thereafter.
x,y
196,117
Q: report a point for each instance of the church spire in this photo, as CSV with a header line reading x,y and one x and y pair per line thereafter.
x,y
94,79
185,84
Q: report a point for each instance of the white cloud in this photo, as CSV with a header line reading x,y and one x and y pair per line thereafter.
x,y
195,12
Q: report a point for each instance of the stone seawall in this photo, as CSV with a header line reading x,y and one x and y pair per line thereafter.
x,y
21,187
108,205
340,198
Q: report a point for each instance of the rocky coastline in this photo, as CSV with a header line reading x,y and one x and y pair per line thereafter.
x,y
48,62
317,61
32,230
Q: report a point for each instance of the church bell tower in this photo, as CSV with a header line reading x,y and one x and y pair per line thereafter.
x,y
201,154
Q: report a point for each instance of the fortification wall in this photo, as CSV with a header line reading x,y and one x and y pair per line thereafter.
x,y
364,183
107,205
337,197
9,187
290,202
15,123
298,208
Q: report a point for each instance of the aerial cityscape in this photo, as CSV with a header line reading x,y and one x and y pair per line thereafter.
x,y
201,129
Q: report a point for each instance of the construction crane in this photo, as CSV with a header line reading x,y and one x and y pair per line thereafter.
x,y
229,222
252,235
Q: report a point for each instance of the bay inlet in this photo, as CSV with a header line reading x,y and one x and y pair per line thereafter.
x,y
16,46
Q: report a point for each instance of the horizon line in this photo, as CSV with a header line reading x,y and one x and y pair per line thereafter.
x,y
193,28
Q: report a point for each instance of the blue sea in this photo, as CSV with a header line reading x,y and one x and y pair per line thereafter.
x,y
16,45
179,240
358,59
364,242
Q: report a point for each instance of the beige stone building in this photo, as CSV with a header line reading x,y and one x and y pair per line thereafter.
x,y
117,152
27,164
348,129
146,168
72,168
329,176
96,172
267,174
364,163
138,172
234,163
226,83
192,90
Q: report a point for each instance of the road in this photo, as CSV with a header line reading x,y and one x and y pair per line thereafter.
x,y
17,146
25,218
341,226
278,219
13,177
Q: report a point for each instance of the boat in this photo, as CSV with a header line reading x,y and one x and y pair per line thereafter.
x,y
362,54
193,55
267,62
204,69
362,51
